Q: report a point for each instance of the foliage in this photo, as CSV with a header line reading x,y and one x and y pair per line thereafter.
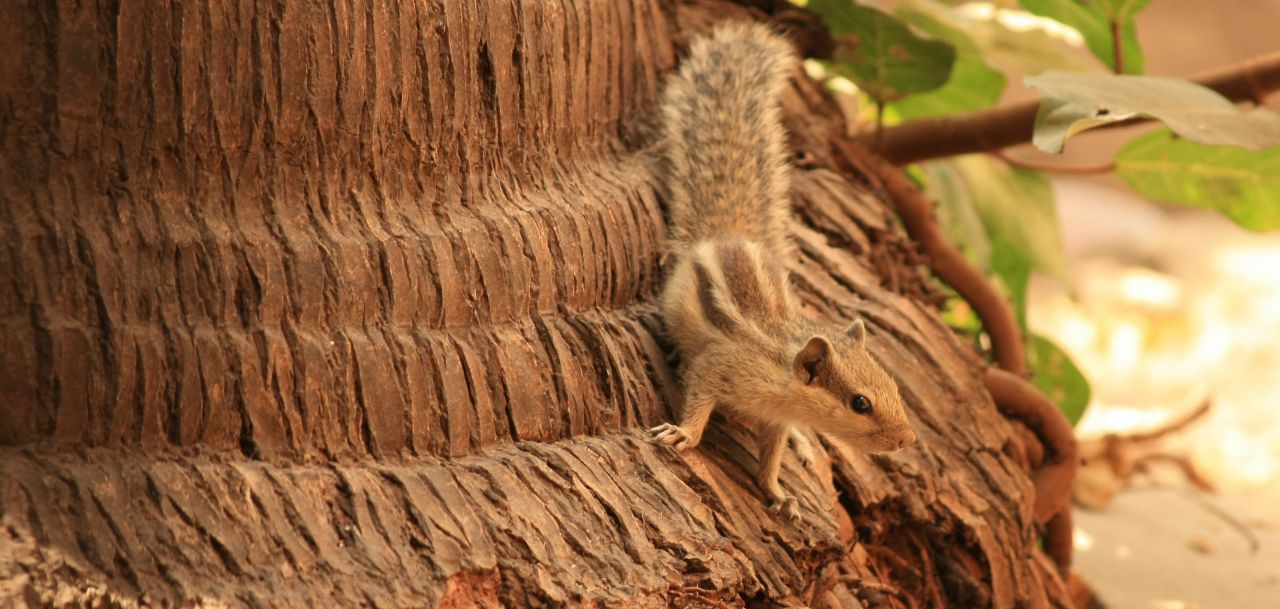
x,y
1243,185
935,58
982,201
1028,49
1005,221
1093,20
1059,378
1075,102
973,84
881,54
1012,268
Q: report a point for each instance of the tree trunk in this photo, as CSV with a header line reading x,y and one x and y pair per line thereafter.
x,y
352,305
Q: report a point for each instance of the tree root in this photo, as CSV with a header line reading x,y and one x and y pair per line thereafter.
x,y
1110,462
916,211
1020,400
1058,539
1171,427
1052,450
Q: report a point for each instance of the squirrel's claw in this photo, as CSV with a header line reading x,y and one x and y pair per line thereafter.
x,y
786,506
673,436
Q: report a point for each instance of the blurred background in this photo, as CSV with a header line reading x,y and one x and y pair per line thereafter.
x,y
1173,310
1169,309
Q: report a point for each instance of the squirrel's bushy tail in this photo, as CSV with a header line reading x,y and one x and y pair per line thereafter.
x,y
724,146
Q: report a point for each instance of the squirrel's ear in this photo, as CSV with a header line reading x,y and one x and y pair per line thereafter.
x,y
805,366
858,331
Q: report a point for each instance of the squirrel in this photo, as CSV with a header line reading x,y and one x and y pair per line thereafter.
x,y
727,302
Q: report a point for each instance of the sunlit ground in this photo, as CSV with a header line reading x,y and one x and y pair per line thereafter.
x,y
1168,310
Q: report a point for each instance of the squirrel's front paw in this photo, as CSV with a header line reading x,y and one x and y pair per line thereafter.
x,y
673,436
786,505
804,449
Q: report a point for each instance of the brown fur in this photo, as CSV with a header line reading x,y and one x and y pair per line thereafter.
x,y
725,149
727,302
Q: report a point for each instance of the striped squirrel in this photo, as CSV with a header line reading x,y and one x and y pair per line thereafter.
x,y
727,303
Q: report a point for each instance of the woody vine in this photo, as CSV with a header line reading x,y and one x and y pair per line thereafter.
x,y
928,78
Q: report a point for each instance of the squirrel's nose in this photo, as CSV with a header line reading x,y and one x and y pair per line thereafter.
x,y
907,440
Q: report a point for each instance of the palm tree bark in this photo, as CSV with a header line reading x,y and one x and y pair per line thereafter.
x,y
328,304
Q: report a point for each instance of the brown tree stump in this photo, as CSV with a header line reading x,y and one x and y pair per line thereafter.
x,y
348,304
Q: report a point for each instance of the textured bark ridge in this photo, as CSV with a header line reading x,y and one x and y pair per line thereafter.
x,y
312,304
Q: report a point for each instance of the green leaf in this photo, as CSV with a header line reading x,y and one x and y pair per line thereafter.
x,y
1017,206
1058,377
1014,205
1055,374
930,19
973,85
957,214
958,315
1242,184
1029,51
1094,24
1013,268
1075,102
1123,10
880,53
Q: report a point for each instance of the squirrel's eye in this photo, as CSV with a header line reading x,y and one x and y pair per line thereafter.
x,y
861,404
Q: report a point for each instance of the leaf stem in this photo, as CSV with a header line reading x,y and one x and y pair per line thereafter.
x,y
879,142
1117,46
996,128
